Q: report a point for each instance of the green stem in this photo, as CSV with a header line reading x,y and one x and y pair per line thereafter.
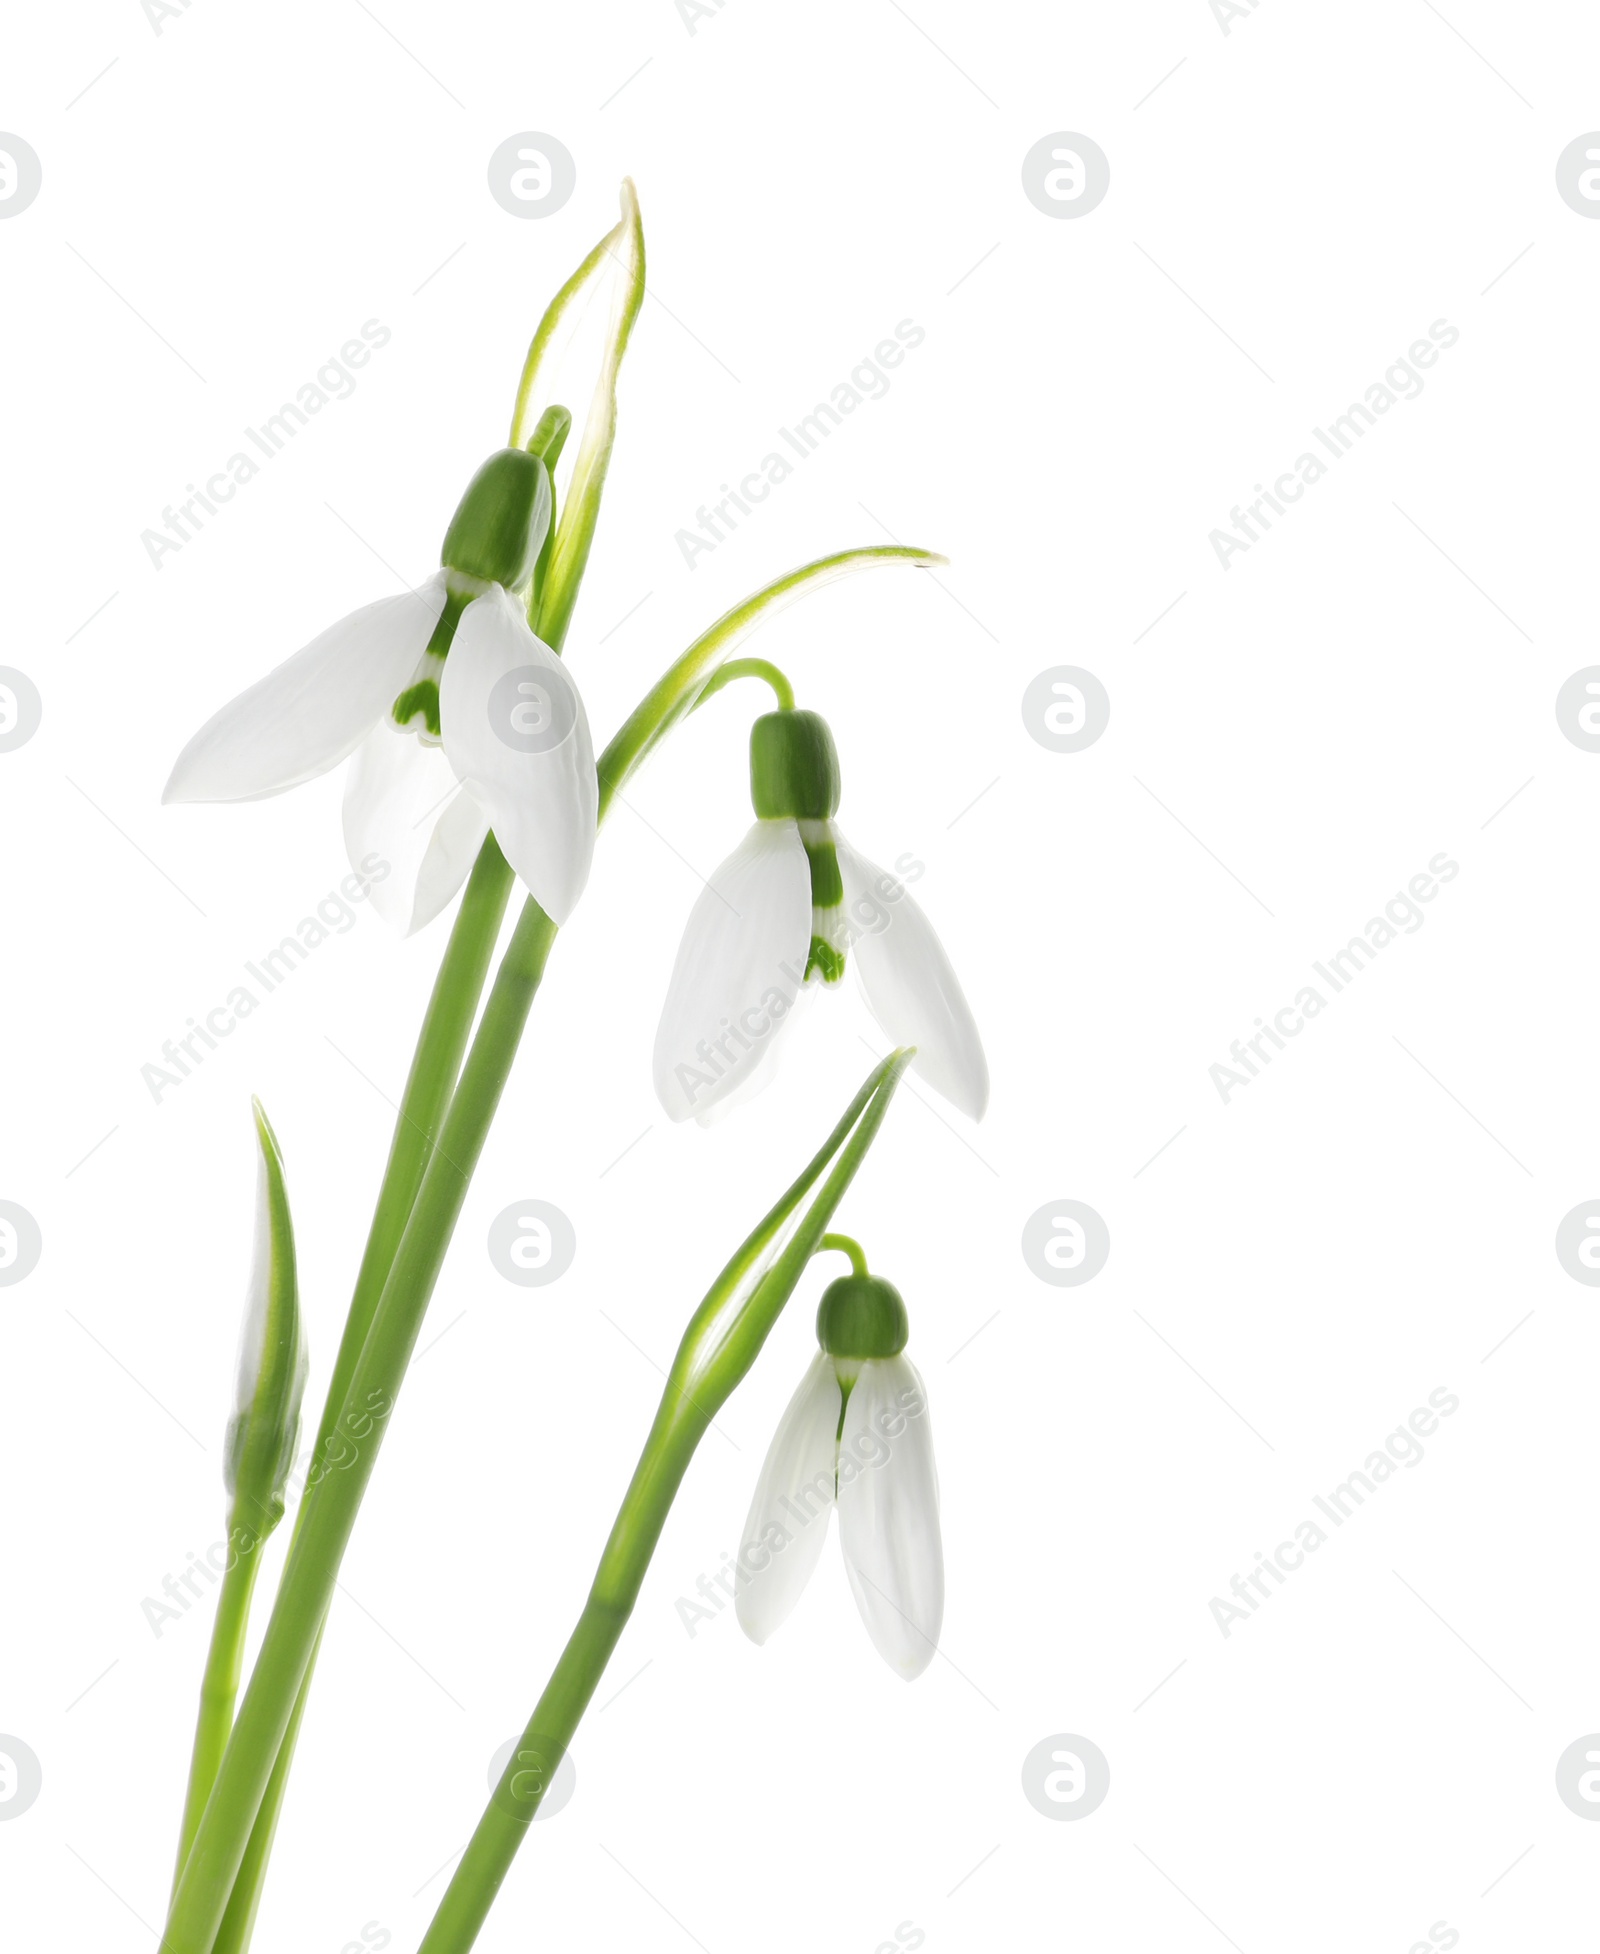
x,y
761,668
219,1687
435,1065
847,1245
714,1356
238,1923
487,1859
234,1838
673,695
329,1510
434,1068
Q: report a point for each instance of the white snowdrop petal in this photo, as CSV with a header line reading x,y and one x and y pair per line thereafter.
x,y
740,967
411,830
761,1074
788,1521
908,983
458,834
889,1513
516,732
315,708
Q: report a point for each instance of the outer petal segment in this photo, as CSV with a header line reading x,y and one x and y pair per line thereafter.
x,y
909,985
740,966
889,1514
516,732
410,827
315,708
794,1496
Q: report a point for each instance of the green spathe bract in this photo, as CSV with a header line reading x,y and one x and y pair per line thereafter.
x,y
861,1317
618,256
265,1426
501,522
257,1453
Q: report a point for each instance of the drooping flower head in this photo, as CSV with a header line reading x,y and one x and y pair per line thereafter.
x,y
855,1435
459,718
789,910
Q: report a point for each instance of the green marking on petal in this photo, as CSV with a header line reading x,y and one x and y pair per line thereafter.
x,y
827,901
421,699
825,959
827,882
455,602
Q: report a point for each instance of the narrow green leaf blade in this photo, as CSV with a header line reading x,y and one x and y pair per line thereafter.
x,y
614,271
675,692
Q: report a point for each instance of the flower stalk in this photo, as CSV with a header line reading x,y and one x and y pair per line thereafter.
x,y
340,1476
259,1450
451,1097
679,689
219,1690
722,1341
333,1497
446,1026
216,1897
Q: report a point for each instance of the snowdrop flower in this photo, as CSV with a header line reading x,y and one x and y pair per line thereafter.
x,y
787,910
855,1435
439,688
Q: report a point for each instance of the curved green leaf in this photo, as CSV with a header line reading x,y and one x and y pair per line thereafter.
x,y
679,688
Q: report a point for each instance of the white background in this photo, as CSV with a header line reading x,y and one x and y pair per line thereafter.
x,y
1300,733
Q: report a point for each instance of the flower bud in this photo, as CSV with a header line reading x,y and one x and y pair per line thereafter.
x,y
861,1317
500,523
794,767
265,1427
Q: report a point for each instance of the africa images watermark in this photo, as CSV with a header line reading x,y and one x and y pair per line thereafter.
x,y
1401,381
1402,1447
867,381
743,1033
690,11
333,381
1402,915
334,915
867,1451
1225,12
338,1452
157,11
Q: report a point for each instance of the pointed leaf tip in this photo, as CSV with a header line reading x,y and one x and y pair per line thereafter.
x,y
264,1429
